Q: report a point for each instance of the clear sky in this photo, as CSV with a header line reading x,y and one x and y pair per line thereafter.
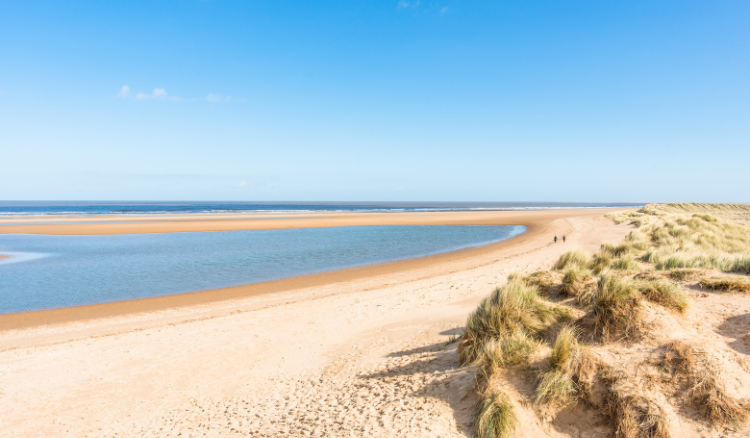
x,y
451,100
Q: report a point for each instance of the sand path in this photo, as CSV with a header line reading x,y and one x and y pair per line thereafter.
x,y
364,356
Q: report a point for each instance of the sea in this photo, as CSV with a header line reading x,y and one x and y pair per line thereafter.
x,y
10,208
47,272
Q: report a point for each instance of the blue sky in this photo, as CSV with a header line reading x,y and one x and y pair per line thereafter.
x,y
375,100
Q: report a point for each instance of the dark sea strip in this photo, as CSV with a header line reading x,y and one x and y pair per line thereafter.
x,y
18,208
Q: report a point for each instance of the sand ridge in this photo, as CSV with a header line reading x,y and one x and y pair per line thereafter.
x,y
140,224
364,356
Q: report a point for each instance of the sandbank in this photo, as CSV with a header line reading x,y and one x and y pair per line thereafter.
x,y
142,224
535,221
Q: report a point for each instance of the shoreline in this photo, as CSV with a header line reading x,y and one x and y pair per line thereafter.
x,y
536,222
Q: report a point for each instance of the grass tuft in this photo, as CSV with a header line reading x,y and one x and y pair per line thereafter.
x,y
725,284
700,377
509,309
513,349
634,414
741,265
616,308
664,293
600,262
572,258
683,274
556,384
496,417
545,281
576,279
625,263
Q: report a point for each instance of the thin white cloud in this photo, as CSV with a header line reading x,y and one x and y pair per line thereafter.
x,y
403,4
217,98
444,9
124,92
161,94
158,93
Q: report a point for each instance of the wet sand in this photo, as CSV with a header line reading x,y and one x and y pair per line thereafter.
x,y
535,221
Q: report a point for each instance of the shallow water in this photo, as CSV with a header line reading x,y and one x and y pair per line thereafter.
x,y
62,271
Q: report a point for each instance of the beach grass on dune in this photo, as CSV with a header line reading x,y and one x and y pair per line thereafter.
x,y
556,384
616,308
496,417
664,293
633,413
700,376
616,288
512,308
572,258
725,284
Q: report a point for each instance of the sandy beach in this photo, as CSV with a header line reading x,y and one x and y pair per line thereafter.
x,y
360,352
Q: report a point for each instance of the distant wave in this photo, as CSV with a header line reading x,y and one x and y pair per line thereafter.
x,y
40,208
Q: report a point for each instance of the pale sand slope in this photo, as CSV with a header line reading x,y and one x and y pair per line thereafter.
x,y
355,358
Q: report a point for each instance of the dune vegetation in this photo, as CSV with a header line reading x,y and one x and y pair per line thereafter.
x,y
562,327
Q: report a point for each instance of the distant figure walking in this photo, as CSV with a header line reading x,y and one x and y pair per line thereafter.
x,y
563,239
555,239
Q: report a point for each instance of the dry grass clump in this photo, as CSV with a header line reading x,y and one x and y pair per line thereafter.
x,y
634,414
572,258
664,293
616,308
496,417
741,265
625,264
510,350
631,412
600,262
684,274
700,377
575,281
545,281
515,307
556,384
725,284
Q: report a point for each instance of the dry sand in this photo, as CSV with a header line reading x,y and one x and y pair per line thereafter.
x,y
353,353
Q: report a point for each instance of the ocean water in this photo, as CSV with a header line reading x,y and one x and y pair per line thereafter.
x,y
10,208
48,272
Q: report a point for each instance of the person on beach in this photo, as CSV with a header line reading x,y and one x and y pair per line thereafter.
x,y
563,239
555,239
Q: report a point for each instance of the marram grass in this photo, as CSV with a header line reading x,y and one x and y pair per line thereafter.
x,y
556,384
514,307
496,417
